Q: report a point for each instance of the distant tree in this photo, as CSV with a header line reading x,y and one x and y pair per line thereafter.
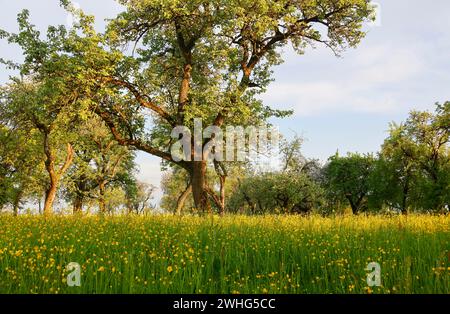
x,y
140,201
413,172
348,178
100,163
294,189
21,167
276,193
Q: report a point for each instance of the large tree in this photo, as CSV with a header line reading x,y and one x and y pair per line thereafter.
x,y
190,59
209,60
31,107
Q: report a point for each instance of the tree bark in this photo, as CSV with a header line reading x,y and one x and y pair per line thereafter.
x,y
17,200
222,195
78,204
182,199
354,206
54,175
50,195
101,199
405,201
199,188
40,205
405,195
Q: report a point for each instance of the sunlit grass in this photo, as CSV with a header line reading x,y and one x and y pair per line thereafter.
x,y
235,254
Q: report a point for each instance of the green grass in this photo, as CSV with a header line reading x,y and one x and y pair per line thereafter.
x,y
236,254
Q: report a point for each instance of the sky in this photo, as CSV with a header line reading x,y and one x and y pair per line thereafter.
x,y
341,103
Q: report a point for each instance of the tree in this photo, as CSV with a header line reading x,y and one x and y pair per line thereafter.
x,y
429,135
207,60
176,191
278,192
21,164
140,201
294,189
100,162
24,102
47,96
348,178
414,162
192,59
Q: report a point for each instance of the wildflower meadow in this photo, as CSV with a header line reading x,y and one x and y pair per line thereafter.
x,y
231,254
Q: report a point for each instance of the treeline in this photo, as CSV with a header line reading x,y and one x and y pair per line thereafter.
x,y
411,173
82,103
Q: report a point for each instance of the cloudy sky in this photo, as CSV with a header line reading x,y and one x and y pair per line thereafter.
x,y
341,103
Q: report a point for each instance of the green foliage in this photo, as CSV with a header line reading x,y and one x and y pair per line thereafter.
x,y
414,163
100,164
139,200
347,179
276,193
294,189
173,183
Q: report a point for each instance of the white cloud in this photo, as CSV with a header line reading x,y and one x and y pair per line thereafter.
x,y
365,82
385,65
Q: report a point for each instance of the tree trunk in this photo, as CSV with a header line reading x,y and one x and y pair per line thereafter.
x,y
199,189
405,196
182,199
54,175
16,204
78,204
40,205
50,195
101,199
404,203
353,205
222,195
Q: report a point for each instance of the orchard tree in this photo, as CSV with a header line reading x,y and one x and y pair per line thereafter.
x,y
140,200
100,162
292,189
277,192
32,106
415,162
21,165
209,60
47,96
348,178
429,135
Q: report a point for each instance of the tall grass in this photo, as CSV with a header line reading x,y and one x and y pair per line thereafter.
x,y
235,254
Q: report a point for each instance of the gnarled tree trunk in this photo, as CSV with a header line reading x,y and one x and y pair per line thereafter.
x,y
182,199
199,187
78,204
54,175
101,199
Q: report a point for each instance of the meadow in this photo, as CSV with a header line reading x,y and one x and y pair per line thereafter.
x,y
232,254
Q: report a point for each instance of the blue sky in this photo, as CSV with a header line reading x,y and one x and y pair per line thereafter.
x,y
341,103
